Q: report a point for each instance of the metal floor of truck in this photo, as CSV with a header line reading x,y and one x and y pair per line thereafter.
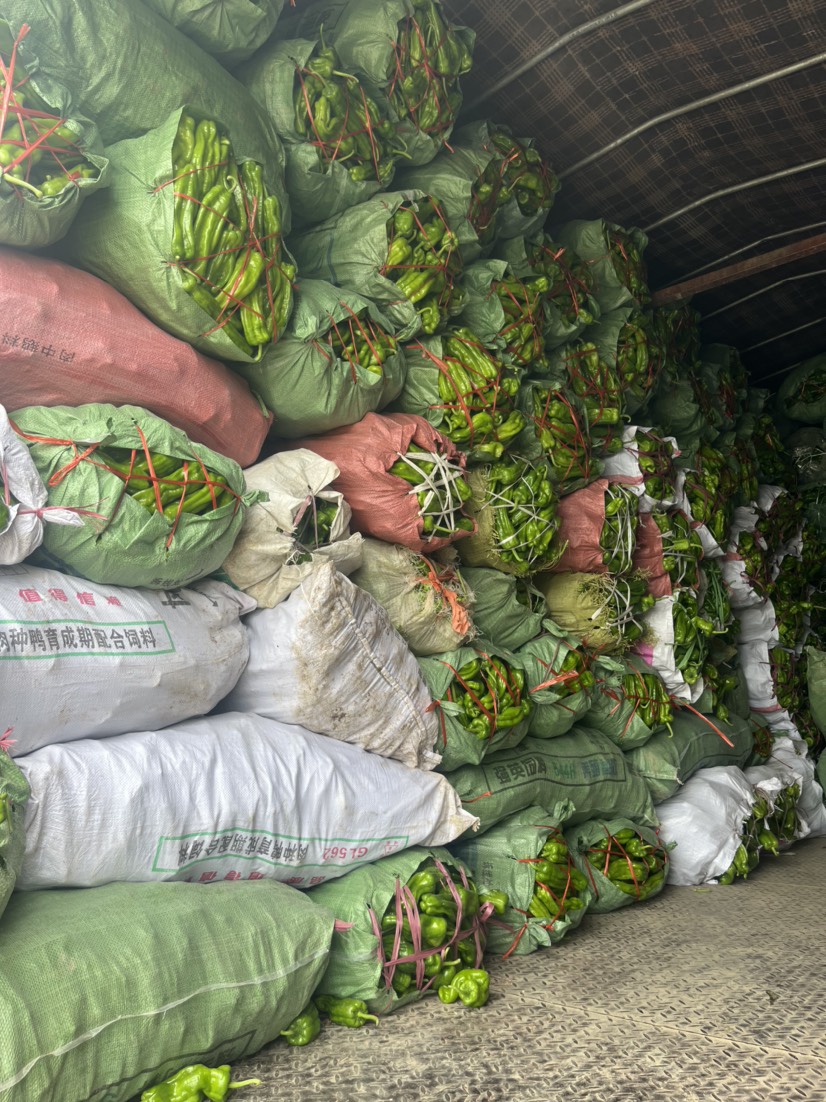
x,y
703,994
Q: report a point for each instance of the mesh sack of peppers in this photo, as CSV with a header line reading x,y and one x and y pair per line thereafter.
x,y
670,758
628,339
647,458
527,857
429,603
803,392
624,863
506,608
792,600
14,796
579,368
465,391
337,360
339,134
582,766
396,249
159,511
672,406
615,257
50,157
407,49
404,482
569,305
630,703
598,529
559,680
668,551
230,30
605,611
202,229
507,312
557,429
298,524
481,697
415,923
514,504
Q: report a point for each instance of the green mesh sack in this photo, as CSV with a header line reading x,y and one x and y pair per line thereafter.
x,y
14,794
358,966
504,860
230,30
313,379
30,215
464,738
505,608
120,542
615,258
555,669
583,766
803,392
668,760
606,895
128,69
108,991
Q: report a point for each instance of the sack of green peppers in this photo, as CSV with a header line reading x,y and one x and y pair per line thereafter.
x,y
598,529
14,795
514,504
506,608
803,392
747,565
772,822
557,429
615,257
647,458
693,742
408,50
707,490
578,367
582,766
559,680
50,157
673,407
190,230
159,511
298,524
429,603
774,464
630,703
528,858
396,249
507,312
407,926
481,697
337,360
605,611
724,690
464,390
628,339
679,328
624,863
668,552
725,381
339,134
676,643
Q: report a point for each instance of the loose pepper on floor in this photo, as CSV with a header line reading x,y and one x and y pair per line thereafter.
x,y
347,1012
304,1028
471,986
196,1083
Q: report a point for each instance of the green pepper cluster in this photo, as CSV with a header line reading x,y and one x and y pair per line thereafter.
x,y
763,831
523,174
571,279
491,695
618,536
572,675
525,521
679,336
561,428
756,560
691,635
558,883
742,462
313,529
359,341
682,548
423,261
335,113
631,864
773,461
649,698
440,491
789,678
165,484
628,264
477,393
716,603
718,684
639,357
523,332
782,522
429,57
39,155
227,238
196,1083
440,925
655,457
597,388
711,490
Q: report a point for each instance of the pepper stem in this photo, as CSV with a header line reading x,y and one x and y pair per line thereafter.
x,y
245,1083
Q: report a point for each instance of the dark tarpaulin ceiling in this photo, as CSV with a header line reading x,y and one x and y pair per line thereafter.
x,y
701,121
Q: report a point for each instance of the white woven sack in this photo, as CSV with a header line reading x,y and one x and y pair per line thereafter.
x,y
265,560
329,659
704,820
659,653
758,623
228,797
626,463
83,660
793,754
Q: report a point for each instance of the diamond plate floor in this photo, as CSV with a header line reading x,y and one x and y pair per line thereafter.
x,y
699,996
